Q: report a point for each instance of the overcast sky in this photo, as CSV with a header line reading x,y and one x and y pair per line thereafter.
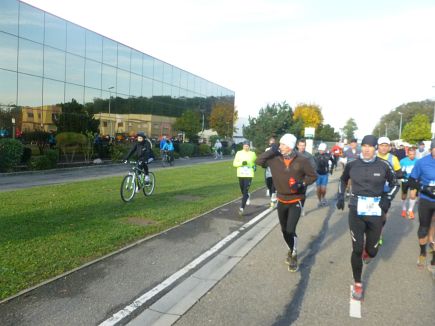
x,y
356,59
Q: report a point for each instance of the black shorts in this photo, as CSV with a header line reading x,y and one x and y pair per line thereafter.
x,y
426,209
406,187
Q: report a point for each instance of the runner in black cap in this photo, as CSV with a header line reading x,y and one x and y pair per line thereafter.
x,y
367,205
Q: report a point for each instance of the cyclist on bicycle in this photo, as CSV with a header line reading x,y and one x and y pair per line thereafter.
x,y
169,148
142,150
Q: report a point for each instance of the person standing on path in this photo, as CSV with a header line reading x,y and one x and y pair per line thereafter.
x,y
291,174
368,205
244,161
423,179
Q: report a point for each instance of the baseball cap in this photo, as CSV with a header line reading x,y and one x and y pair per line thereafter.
x,y
384,140
369,140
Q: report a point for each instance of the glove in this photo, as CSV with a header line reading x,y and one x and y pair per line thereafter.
x,y
274,148
340,201
244,163
385,203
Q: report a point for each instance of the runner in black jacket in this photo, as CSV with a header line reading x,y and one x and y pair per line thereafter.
x,y
367,205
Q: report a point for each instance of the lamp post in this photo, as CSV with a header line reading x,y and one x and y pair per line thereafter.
x,y
400,126
386,130
110,117
13,128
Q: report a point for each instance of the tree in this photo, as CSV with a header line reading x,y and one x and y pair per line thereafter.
x,y
222,119
76,118
349,129
326,133
310,114
417,130
189,123
273,120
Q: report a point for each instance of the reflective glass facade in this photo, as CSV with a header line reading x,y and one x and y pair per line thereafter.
x,y
46,61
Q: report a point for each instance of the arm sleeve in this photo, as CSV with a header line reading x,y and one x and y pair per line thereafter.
x,y
344,179
237,160
393,182
310,174
130,153
262,159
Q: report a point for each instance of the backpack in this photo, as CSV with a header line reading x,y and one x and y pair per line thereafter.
x,y
322,165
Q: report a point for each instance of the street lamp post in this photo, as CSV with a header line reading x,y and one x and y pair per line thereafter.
x,y
400,126
13,128
110,117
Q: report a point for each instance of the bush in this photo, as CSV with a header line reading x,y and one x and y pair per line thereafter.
x,y
119,151
11,151
204,150
187,149
27,154
70,142
44,162
226,150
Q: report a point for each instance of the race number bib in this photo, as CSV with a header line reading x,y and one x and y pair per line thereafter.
x,y
245,171
369,206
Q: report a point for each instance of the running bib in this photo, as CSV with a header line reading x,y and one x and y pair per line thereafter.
x,y
245,171
369,206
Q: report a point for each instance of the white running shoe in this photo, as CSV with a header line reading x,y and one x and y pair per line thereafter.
x,y
248,202
267,193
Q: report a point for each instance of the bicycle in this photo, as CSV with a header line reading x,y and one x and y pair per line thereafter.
x,y
166,159
134,181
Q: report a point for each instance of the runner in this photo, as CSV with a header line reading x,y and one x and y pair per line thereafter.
x,y
367,205
291,173
336,153
407,165
351,154
322,160
421,151
301,146
271,192
423,178
244,161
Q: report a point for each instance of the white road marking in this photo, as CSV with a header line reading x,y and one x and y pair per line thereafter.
x,y
354,306
117,317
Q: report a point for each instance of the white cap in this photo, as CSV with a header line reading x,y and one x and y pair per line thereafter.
x,y
322,147
289,140
384,140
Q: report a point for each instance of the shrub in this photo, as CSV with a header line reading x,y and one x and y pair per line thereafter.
x,y
11,151
204,150
40,137
226,150
27,154
71,140
119,151
44,162
187,149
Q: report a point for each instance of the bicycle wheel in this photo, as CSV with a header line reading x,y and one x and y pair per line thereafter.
x,y
128,188
148,189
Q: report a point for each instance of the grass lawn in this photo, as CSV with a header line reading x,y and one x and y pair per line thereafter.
x,y
46,231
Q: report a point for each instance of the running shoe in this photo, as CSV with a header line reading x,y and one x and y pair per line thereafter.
x,y
404,215
381,241
267,193
432,246
293,265
365,257
288,258
421,262
272,204
411,215
240,211
248,202
357,291
302,212
324,202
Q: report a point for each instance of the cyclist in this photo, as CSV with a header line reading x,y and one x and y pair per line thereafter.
x,y
367,205
142,150
168,148
407,165
291,174
423,178
244,161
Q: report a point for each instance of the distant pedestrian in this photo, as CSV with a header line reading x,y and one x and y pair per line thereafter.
x,y
323,161
271,191
244,161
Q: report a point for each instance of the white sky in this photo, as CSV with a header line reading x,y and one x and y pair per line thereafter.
x,y
356,59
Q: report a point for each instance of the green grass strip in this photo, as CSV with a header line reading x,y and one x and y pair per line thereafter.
x,y
46,231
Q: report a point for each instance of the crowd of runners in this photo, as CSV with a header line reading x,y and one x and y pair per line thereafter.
x,y
373,173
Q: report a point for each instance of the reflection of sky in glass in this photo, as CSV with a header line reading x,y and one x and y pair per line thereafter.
x,y
158,70
75,69
9,16
31,23
53,92
124,57
75,39
29,90
136,62
109,77
74,92
54,64
30,57
55,32
94,46
157,88
91,94
148,66
93,74
135,85
167,73
176,76
147,87
123,82
109,52
8,87
8,53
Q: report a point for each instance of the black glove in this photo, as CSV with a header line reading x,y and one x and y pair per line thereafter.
x,y
244,163
340,201
385,203
274,148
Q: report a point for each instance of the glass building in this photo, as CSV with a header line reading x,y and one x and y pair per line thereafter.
x,y
47,62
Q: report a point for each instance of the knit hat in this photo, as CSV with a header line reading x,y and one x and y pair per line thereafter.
x,y
322,147
289,140
369,140
247,142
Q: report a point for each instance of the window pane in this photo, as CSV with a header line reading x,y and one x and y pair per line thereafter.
x,y
8,88
29,91
94,46
191,82
123,83
136,62
75,39
157,88
93,74
175,91
148,66
135,85
158,70
75,69
147,87
124,57
55,32
30,57
109,77
91,94
74,92
8,53
167,89
109,52
167,73
53,92
176,73
9,16
31,23
54,64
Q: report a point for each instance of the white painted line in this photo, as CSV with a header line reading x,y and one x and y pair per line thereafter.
x,y
117,317
354,306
